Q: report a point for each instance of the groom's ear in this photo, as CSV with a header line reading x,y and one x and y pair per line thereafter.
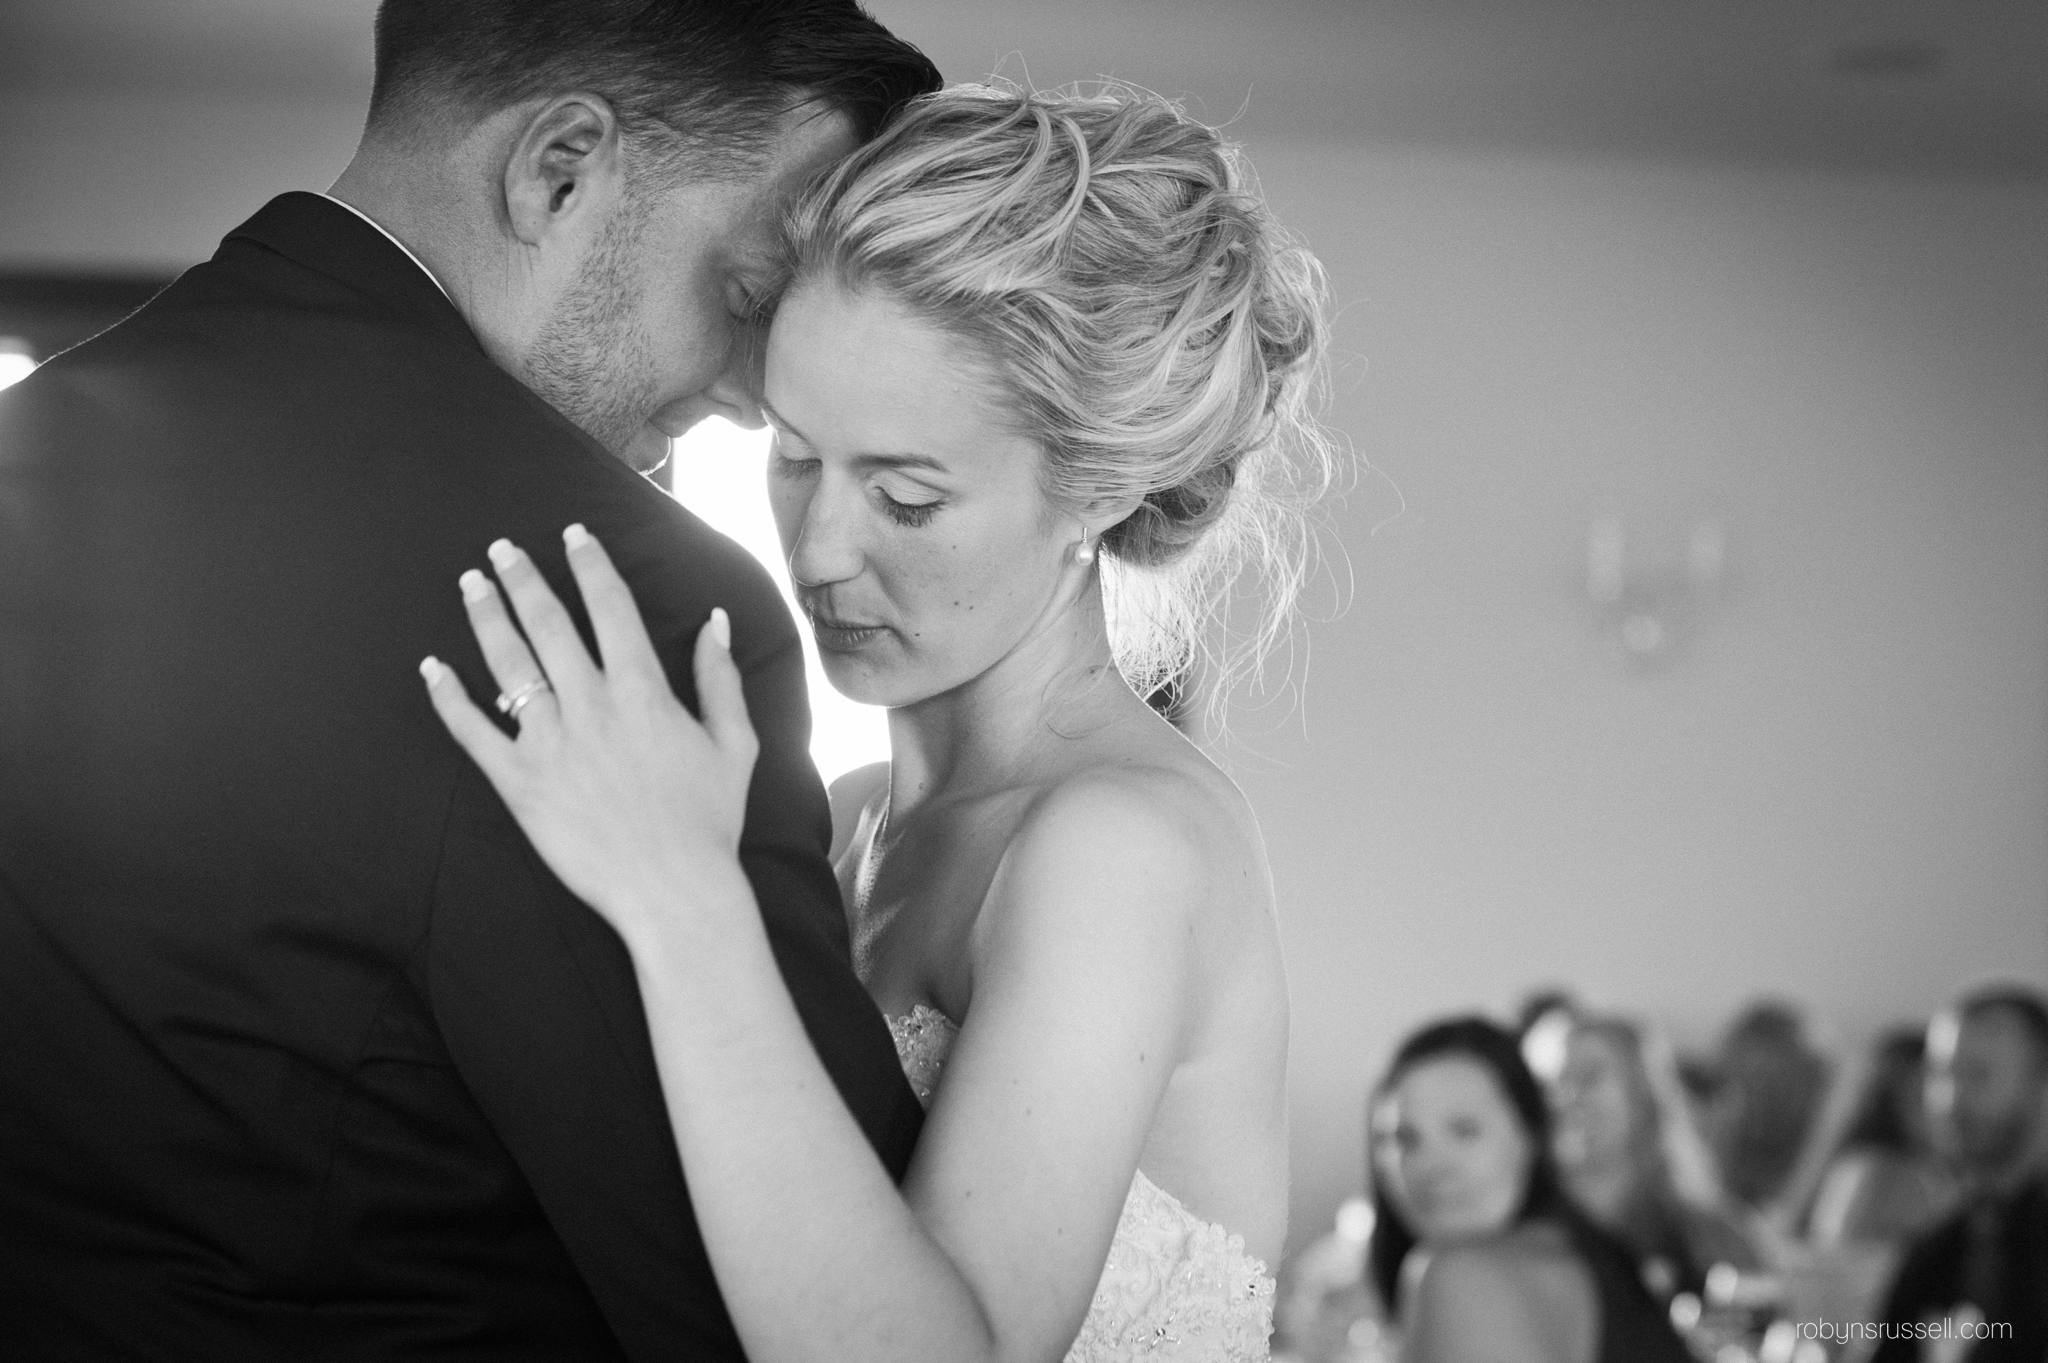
x,y
564,160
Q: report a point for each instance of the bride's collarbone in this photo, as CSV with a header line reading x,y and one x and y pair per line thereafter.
x,y
937,850
939,858
913,899
918,879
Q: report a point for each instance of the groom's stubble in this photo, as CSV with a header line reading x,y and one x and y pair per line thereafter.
x,y
592,360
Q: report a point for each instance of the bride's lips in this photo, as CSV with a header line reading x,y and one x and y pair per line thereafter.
x,y
842,636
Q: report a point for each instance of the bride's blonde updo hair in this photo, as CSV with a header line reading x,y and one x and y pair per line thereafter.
x,y
1153,329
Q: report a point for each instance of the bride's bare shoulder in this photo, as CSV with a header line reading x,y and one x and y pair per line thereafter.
x,y
1140,881
850,795
1167,777
1167,818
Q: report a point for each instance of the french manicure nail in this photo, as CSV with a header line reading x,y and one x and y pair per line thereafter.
x,y
433,669
576,536
475,586
721,627
502,553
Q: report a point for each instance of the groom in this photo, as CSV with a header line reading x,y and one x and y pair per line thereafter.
x,y
303,1053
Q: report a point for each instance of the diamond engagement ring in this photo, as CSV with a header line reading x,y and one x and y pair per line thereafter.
x,y
510,706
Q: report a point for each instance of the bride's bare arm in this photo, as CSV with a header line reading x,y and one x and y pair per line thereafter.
x,y
1082,959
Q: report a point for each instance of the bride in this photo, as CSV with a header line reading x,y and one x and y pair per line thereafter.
x,y
1034,380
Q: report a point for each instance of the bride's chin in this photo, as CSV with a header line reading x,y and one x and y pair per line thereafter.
x,y
863,685
862,682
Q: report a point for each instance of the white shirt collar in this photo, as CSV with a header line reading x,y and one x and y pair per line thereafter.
x,y
393,240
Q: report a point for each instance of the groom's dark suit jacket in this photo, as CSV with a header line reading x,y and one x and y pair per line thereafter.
x,y
303,1052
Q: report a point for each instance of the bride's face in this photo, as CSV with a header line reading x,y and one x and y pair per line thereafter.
x,y
917,535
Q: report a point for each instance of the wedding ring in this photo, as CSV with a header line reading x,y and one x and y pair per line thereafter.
x,y
510,706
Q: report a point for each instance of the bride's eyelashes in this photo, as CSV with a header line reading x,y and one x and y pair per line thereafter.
x,y
908,513
911,514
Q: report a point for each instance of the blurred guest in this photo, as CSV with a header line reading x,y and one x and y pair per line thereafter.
x,y
1885,1182
1622,1140
1474,1241
1768,1088
1989,1261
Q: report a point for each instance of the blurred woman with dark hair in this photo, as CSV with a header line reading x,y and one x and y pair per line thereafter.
x,y
1476,1251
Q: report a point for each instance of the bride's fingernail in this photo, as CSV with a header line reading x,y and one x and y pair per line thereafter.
x,y
433,669
576,536
503,555
721,627
475,586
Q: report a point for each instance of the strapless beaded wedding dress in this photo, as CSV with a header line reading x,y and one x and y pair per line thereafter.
x,y
1176,1288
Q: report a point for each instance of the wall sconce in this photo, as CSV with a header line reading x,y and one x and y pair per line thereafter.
x,y
1649,606
17,361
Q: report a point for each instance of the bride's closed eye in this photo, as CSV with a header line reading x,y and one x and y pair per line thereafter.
x,y
908,513
912,509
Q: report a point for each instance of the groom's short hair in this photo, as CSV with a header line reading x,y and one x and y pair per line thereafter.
x,y
705,79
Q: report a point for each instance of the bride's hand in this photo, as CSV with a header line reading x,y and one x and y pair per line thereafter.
x,y
623,792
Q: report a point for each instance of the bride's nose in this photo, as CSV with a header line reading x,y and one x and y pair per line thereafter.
x,y
826,547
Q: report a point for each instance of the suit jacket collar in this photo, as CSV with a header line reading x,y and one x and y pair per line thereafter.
x,y
325,237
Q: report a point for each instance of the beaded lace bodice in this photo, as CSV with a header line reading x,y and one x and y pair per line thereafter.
x,y
1176,1288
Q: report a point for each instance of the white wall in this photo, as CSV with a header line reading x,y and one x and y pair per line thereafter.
x,y
153,181
1840,794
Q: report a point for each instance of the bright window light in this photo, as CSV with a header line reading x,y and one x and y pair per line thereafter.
x,y
17,361
721,474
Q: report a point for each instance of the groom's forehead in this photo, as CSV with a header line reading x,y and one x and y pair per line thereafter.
x,y
806,140
745,209
766,177
783,150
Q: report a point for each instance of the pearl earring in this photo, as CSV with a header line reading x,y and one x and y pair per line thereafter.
x,y
1084,552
